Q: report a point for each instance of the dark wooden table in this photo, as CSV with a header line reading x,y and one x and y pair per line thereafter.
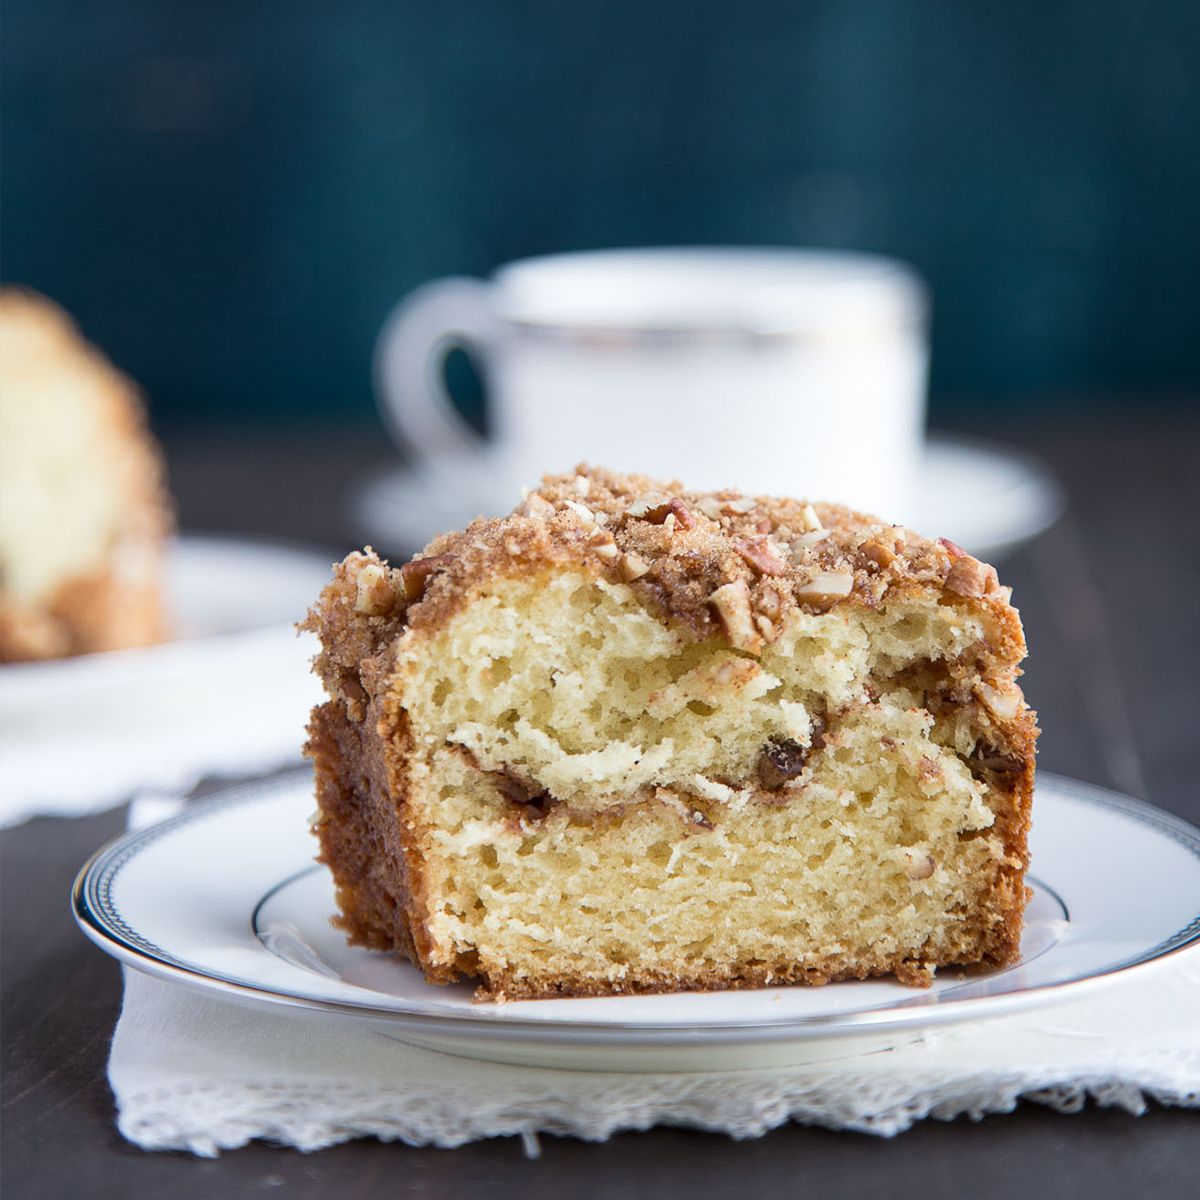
x,y
1110,602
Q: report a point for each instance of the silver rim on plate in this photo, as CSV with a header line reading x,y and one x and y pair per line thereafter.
x,y
100,918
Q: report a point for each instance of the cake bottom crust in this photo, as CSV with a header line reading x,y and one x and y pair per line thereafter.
x,y
100,611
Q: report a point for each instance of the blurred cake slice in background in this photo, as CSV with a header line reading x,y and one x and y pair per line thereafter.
x,y
84,510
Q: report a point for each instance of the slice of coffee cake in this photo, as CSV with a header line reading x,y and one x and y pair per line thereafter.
x,y
84,510
633,738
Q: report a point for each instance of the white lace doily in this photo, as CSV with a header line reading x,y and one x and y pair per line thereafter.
x,y
191,1072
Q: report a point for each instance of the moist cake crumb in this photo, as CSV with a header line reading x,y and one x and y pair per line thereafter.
x,y
634,738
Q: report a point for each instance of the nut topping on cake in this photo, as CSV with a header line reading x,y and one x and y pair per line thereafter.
x,y
731,603
415,575
877,552
536,507
763,555
585,514
1004,702
632,566
673,510
812,523
375,595
826,587
737,506
968,577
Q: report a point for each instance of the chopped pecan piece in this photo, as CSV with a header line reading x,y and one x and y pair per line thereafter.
x,y
537,507
375,597
738,506
632,566
1004,701
585,514
731,603
970,577
770,603
415,575
827,587
763,555
603,543
781,759
641,505
878,553
674,507
806,541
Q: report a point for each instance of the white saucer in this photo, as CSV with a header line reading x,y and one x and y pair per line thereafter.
x,y
78,734
222,585
225,899
987,498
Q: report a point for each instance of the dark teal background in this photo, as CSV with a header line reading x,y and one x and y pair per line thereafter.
x,y
230,196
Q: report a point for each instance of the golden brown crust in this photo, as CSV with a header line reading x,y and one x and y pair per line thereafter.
x,y
611,524
913,972
719,565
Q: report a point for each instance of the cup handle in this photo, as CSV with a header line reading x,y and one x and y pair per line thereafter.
x,y
409,387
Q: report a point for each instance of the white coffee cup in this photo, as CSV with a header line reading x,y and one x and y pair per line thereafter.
x,y
785,372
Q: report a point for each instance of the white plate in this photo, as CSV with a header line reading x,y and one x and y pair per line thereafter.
x,y
987,498
164,715
225,898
